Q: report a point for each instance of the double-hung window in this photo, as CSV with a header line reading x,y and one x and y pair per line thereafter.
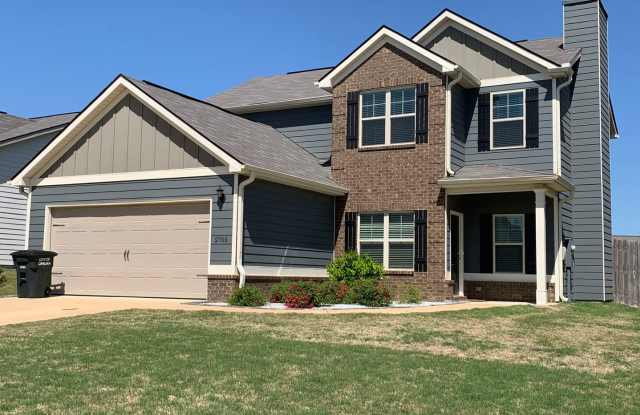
x,y
508,243
508,127
388,238
388,117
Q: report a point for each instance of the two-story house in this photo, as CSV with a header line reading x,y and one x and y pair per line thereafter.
x,y
466,163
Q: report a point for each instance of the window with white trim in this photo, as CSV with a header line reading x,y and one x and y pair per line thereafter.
x,y
388,117
508,243
388,238
508,126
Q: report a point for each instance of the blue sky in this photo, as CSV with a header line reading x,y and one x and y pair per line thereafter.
x,y
56,56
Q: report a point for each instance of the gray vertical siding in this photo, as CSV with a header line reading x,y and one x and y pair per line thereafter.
x,y
310,127
592,278
13,206
475,56
459,126
148,190
287,227
130,137
13,157
536,159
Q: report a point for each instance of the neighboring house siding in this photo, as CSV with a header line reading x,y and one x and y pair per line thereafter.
x,y
130,137
460,126
287,227
13,206
475,56
591,203
13,157
310,128
535,159
566,165
148,190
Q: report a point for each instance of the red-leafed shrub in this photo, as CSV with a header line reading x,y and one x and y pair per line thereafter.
x,y
299,295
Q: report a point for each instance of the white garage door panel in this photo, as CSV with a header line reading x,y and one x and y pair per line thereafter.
x,y
168,249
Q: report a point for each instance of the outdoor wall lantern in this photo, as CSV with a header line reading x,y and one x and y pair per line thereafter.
x,y
221,196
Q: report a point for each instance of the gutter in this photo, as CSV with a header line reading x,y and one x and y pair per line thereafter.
x,y
447,124
240,229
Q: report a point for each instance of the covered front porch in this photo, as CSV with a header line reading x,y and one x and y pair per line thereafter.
x,y
504,240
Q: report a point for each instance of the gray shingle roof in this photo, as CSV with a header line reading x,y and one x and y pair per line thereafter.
x,y
551,49
33,125
251,143
9,122
295,86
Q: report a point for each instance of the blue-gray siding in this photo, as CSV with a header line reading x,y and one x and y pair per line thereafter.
x,y
310,127
13,157
287,227
536,159
459,126
12,222
585,28
199,187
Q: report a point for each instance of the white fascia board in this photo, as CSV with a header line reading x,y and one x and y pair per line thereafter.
x,y
448,18
294,181
505,184
109,98
383,36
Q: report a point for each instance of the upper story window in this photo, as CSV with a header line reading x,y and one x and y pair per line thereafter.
x,y
508,126
388,238
388,117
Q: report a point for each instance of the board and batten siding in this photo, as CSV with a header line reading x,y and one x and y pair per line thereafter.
x,y
477,57
13,157
143,191
533,159
585,28
13,208
310,127
459,126
287,227
130,137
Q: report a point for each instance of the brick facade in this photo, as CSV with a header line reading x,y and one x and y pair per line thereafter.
x,y
395,179
505,291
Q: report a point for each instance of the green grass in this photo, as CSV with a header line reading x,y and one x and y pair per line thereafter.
x,y
508,360
8,288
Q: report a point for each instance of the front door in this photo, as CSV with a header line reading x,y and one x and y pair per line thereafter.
x,y
456,252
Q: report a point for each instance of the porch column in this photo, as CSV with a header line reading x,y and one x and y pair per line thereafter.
x,y
541,251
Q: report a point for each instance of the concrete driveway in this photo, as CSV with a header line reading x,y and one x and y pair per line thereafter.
x,y
21,310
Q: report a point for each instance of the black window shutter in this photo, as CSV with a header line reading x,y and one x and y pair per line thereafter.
x,y
533,118
484,122
350,231
420,243
486,244
530,243
352,119
422,113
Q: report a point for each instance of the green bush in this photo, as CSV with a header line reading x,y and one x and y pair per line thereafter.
x,y
279,291
300,295
331,292
352,267
247,297
369,293
3,278
411,295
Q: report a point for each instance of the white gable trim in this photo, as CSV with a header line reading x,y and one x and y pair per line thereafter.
x,y
383,36
104,102
448,18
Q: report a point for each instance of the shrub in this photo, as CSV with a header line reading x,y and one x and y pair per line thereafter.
x,y
279,291
331,292
247,297
300,295
411,295
353,267
369,293
3,278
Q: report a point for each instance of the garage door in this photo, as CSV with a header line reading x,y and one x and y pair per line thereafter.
x,y
145,250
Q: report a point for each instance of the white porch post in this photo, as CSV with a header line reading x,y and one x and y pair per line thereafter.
x,y
541,251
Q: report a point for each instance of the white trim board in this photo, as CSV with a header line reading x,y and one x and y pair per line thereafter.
x,y
107,100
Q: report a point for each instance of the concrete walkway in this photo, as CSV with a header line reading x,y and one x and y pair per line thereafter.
x,y
21,310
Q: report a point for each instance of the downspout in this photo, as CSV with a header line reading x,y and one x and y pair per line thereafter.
x,y
559,123
447,124
240,229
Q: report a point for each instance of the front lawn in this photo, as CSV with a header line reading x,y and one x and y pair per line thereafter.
x,y
8,287
582,358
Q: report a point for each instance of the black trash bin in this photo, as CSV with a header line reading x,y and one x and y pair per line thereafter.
x,y
33,272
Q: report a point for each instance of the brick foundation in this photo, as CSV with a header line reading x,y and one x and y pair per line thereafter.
x,y
505,291
220,287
